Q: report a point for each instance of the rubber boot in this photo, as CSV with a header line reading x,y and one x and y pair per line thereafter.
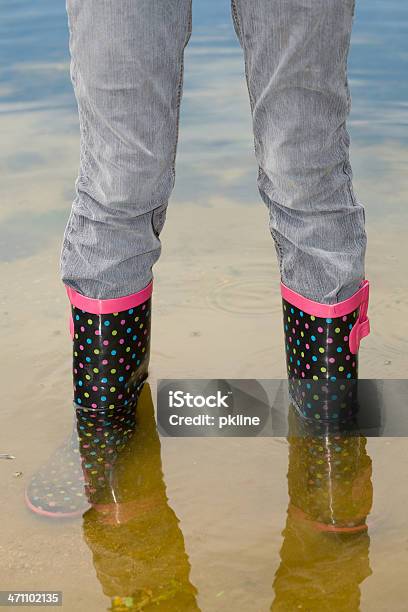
x,y
111,340
136,543
82,471
322,343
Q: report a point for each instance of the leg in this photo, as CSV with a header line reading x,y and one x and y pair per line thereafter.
x,y
296,55
127,65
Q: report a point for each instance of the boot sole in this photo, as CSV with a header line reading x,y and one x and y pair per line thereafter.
x,y
48,514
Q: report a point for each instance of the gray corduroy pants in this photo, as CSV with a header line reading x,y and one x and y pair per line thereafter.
x,y
127,72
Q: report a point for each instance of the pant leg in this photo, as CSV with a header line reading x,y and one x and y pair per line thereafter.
x,y
127,68
296,61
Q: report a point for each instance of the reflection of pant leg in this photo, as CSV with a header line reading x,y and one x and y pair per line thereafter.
x,y
127,64
296,57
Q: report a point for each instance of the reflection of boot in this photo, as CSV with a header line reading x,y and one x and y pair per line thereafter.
x,y
111,340
137,546
324,556
322,343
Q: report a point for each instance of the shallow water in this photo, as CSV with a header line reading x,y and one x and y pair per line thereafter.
x,y
218,513
247,524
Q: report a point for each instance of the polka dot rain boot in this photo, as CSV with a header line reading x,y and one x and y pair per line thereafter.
x,y
137,546
111,348
82,472
104,438
111,340
56,490
322,343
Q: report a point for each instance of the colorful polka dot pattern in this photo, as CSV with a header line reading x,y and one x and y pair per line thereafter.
x,y
111,354
325,400
329,476
82,472
58,486
321,368
103,435
318,348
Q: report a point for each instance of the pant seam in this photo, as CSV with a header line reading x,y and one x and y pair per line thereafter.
x,y
345,139
240,33
67,234
180,90
279,250
74,74
346,167
270,205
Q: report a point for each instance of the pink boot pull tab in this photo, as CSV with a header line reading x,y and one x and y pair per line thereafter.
x,y
361,328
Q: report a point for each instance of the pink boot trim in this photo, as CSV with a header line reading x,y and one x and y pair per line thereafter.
x,y
101,307
359,300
